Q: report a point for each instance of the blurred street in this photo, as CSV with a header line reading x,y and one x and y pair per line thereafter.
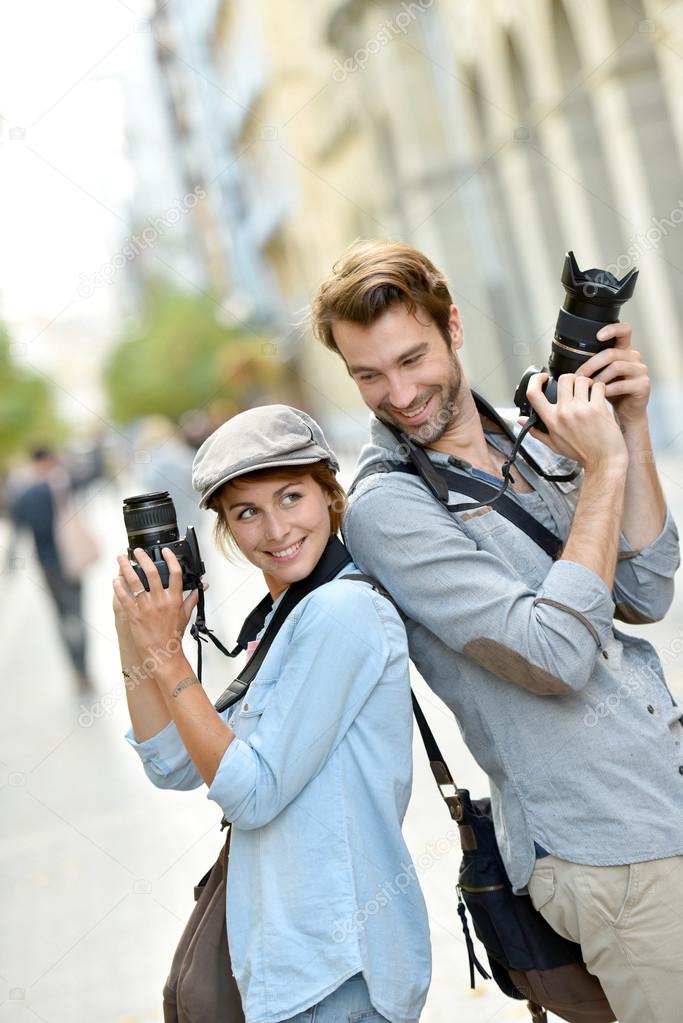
x,y
98,867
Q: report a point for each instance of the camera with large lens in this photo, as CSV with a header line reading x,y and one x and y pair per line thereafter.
x,y
593,298
151,523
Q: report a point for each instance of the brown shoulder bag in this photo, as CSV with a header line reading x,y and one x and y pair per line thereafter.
x,y
201,985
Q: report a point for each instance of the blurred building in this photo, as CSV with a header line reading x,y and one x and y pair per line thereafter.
x,y
205,114
173,243
494,136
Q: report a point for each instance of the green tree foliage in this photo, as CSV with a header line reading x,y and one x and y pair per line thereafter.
x,y
182,357
27,414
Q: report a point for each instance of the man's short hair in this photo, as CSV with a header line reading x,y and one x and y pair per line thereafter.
x,y
373,276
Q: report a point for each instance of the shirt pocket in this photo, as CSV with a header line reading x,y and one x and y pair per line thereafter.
x,y
480,522
253,706
495,535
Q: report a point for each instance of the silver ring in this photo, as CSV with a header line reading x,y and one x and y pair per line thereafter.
x,y
138,592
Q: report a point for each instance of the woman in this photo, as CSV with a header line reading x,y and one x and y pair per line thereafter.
x,y
325,918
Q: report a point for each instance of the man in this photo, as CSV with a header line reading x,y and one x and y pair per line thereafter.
x,y
571,719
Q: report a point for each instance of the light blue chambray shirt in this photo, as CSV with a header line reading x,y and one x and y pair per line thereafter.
x,y
570,718
320,882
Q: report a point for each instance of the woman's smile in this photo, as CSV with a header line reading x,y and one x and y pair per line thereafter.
x,y
288,553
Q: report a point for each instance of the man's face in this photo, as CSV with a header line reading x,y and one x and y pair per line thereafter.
x,y
405,371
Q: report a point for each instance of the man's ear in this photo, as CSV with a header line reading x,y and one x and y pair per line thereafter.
x,y
455,328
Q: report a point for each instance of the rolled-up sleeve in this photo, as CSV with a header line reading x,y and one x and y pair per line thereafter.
x,y
546,641
165,759
643,583
336,656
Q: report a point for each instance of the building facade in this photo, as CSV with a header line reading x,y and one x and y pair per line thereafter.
x,y
494,136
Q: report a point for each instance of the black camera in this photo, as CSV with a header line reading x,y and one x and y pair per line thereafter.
x,y
592,299
151,523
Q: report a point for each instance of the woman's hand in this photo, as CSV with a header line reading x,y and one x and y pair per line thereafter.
x,y
156,619
120,616
125,637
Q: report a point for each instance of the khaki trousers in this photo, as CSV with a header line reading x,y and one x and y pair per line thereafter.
x,y
629,923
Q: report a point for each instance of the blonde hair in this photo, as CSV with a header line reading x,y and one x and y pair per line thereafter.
x,y
319,472
373,276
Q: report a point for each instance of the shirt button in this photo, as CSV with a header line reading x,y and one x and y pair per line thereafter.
x,y
245,707
650,709
680,769
605,655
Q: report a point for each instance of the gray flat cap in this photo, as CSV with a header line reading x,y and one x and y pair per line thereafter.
x,y
266,437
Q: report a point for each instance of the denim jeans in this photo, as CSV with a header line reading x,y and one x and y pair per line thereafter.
x,y
350,1003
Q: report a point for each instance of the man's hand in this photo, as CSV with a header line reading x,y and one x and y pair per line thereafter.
x,y
621,370
581,425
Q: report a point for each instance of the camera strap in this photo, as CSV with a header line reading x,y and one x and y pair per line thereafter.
x,y
202,633
485,408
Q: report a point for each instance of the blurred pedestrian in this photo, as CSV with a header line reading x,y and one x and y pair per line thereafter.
x,y
63,547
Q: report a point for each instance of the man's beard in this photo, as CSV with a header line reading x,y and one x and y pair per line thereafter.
x,y
441,417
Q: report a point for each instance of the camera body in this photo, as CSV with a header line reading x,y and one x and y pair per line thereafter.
x,y
593,298
151,523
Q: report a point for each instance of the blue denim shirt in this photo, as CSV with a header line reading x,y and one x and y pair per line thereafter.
x,y
571,719
320,882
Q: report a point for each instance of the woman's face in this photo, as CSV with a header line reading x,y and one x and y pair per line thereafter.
x,y
281,525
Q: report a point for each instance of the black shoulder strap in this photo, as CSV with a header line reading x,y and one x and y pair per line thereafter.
x,y
442,775
334,558
477,489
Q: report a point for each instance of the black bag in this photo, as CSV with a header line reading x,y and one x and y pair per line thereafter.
x,y
528,959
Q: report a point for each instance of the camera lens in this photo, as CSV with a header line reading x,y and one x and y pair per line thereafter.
x,y
592,299
150,519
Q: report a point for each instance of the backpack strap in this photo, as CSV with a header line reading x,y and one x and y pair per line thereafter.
x,y
449,479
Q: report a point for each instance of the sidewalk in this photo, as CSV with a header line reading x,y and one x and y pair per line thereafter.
x,y
98,866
